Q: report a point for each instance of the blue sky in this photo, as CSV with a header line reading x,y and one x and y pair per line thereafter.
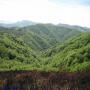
x,y
73,12
80,2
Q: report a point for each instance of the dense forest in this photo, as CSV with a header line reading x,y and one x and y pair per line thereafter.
x,y
45,47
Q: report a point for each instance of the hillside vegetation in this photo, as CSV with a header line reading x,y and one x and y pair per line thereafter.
x,y
44,47
73,55
41,36
14,53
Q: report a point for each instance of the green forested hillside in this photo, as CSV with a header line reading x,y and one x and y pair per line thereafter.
x,y
44,47
41,36
14,53
51,34
73,55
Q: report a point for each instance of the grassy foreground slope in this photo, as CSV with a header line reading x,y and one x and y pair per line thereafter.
x,y
73,55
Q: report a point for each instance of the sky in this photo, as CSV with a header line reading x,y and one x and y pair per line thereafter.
x,y
73,12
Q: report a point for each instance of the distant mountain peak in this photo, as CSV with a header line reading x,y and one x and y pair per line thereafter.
x,y
22,23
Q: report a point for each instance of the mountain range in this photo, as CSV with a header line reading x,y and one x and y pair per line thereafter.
x,y
36,46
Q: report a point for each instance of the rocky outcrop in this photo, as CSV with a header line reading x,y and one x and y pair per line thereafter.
x,y
35,80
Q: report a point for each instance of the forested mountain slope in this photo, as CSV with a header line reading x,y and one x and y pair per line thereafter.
x,y
21,48
41,36
14,53
73,55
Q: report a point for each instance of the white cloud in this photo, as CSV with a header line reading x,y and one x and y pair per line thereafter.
x,y
70,14
44,11
23,9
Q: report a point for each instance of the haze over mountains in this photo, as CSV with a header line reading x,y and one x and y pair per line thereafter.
x,y
22,23
25,23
